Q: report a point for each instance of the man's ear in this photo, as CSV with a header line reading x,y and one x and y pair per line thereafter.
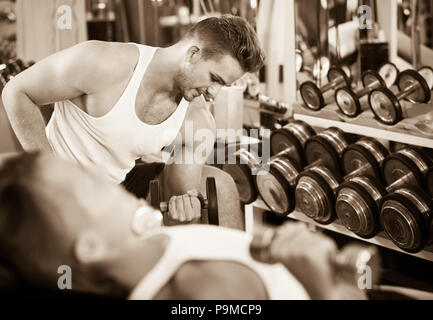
x,y
89,247
193,54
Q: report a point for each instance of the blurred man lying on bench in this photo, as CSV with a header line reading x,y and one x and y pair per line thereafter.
x,y
53,214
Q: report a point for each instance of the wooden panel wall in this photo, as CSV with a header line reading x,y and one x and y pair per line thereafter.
x,y
38,32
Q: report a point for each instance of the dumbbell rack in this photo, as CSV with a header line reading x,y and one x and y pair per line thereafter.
x,y
408,131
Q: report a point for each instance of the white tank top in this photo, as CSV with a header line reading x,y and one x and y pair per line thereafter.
x,y
114,141
207,243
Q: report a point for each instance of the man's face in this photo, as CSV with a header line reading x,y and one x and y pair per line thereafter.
x,y
85,200
205,77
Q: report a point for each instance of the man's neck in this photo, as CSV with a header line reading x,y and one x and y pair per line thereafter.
x,y
161,72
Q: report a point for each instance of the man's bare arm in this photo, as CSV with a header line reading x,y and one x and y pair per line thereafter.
x,y
183,176
64,75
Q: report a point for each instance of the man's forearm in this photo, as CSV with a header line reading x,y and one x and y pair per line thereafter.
x,y
26,120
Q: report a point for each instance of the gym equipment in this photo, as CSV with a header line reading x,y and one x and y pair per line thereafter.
x,y
326,148
291,140
364,158
313,95
347,265
242,174
348,100
315,194
429,181
427,74
389,73
406,215
358,205
408,166
210,203
276,186
386,106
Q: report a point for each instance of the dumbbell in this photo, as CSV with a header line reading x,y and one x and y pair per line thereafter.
x,y
348,100
358,199
408,166
429,181
427,74
276,186
299,60
326,148
389,73
242,173
358,204
386,106
406,215
3,78
315,193
349,263
364,158
291,140
210,203
313,96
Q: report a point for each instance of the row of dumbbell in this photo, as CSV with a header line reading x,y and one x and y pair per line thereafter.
x,y
306,175
11,69
414,86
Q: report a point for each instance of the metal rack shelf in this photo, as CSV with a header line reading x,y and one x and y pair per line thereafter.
x,y
254,211
415,130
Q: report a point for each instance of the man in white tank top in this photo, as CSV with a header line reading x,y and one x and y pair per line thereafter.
x,y
73,220
116,102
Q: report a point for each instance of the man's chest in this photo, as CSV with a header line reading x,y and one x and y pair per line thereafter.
x,y
149,109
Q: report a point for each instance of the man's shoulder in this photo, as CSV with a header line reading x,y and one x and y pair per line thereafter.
x,y
115,60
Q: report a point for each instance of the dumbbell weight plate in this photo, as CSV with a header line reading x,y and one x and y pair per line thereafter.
x,y
369,77
326,147
406,217
299,60
389,72
335,73
410,77
242,175
347,102
357,206
312,96
314,194
427,74
212,201
429,181
275,187
366,153
292,137
407,162
385,106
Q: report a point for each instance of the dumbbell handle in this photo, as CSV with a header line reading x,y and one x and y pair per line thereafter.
x,y
408,91
332,83
407,179
358,172
363,91
163,206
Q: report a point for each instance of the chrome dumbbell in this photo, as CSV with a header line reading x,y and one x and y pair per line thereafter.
x,y
313,96
291,139
348,100
389,73
386,106
406,215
